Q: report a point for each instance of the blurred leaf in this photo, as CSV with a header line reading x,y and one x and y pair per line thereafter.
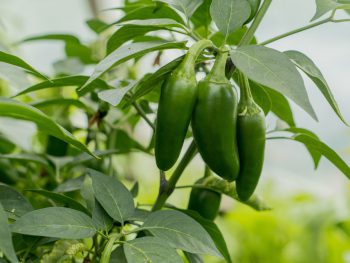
x,y
213,231
312,71
127,52
16,61
135,190
13,202
193,258
115,96
125,143
62,199
187,7
6,245
57,222
73,46
229,15
273,69
113,196
180,231
19,110
62,102
96,25
27,157
65,82
323,7
70,185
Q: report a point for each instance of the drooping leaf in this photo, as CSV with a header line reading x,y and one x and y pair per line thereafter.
x,y
113,196
273,69
13,202
187,7
150,249
65,82
19,110
213,231
312,71
229,15
6,245
127,52
59,222
62,199
18,62
323,7
180,231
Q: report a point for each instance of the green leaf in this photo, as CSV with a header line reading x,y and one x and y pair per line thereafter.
x,y
233,39
229,15
323,7
96,25
113,196
6,245
13,202
118,256
150,249
318,146
214,233
155,22
114,96
19,110
193,258
273,69
316,156
70,185
16,61
62,102
127,52
202,18
125,143
180,231
73,46
27,157
59,222
102,221
261,97
187,7
65,82
62,199
311,70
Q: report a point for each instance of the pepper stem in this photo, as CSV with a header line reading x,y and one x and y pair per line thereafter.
x,y
217,73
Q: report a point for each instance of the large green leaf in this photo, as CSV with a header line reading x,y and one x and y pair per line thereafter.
x,y
102,221
273,69
13,202
65,82
113,196
312,71
229,15
19,110
323,7
62,199
127,52
150,249
188,7
59,222
16,61
180,231
6,245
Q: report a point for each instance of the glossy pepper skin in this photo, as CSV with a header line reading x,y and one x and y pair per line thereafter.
x,y
205,202
251,136
177,99
214,121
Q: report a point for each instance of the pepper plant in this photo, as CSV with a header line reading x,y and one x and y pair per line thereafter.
x,y
66,200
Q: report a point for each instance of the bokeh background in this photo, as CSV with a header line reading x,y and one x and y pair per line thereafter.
x,y
310,219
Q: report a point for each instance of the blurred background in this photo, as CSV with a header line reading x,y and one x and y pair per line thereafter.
x,y
310,219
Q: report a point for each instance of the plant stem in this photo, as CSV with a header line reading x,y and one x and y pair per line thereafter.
x,y
143,115
295,31
249,35
166,190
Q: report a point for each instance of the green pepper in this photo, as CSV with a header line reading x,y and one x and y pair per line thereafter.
x,y
177,99
214,121
254,7
204,201
251,141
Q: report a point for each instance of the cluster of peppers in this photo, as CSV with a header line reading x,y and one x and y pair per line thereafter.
x,y
230,136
